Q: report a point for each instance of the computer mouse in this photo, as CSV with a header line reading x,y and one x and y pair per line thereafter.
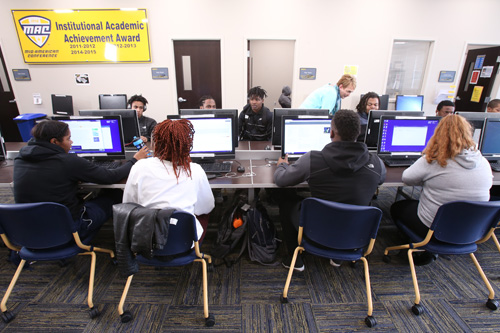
x,y
268,147
240,169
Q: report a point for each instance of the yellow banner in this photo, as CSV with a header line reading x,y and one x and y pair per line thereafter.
x,y
83,35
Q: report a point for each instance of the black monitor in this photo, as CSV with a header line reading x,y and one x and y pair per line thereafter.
x,y
224,112
409,102
96,137
112,101
279,113
129,121
302,134
384,101
62,105
3,150
477,120
372,126
490,139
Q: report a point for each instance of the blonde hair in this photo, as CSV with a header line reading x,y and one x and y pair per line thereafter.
x,y
452,135
346,80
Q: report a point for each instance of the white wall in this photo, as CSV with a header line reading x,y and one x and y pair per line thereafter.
x,y
329,34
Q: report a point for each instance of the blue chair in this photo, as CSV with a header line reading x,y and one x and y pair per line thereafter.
x,y
43,231
457,229
337,231
178,251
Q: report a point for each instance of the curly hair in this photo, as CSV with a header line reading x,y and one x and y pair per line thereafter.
x,y
347,124
452,135
257,92
173,141
361,107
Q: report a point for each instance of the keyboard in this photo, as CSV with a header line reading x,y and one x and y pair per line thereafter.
x,y
495,166
216,167
107,164
397,162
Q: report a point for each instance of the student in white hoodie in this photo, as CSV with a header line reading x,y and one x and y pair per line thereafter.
x,y
450,169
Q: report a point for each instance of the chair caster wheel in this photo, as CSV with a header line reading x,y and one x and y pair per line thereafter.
x,y
114,261
386,258
210,267
417,309
210,321
126,317
7,316
353,263
370,321
492,304
94,312
283,300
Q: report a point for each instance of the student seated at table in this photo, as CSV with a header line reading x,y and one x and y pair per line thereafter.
x,y
255,122
493,106
369,101
450,169
170,179
344,171
45,172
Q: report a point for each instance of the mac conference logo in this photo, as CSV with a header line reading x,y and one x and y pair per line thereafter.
x,y
36,28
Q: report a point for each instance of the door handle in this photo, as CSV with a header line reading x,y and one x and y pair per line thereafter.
x,y
182,100
12,100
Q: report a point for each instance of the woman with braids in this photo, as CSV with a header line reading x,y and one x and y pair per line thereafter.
x,y
451,169
170,179
369,101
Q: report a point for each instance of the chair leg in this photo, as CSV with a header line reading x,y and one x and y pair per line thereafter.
x,y
3,306
126,316
417,308
483,276
110,252
290,273
91,278
495,239
397,247
209,319
369,320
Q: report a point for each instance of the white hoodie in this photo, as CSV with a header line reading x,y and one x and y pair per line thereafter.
x,y
467,177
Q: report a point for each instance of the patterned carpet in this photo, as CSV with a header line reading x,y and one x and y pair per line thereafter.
x,y
245,297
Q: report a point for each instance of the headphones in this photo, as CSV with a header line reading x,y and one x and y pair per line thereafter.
x,y
129,104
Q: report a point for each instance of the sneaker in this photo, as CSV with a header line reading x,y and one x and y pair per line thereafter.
x,y
424,258
335,263
299,265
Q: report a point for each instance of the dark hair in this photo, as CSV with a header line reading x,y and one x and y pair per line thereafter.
x,y
49,129
173,141
445,102
137,98
347,124
257,91
204,98
361,107
493,103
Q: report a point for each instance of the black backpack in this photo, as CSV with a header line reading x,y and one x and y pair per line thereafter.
x,y
262,241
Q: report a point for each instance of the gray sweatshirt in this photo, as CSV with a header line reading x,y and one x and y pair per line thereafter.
x,y
467,177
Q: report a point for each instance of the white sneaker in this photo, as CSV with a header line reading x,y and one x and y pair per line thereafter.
x,y
334,263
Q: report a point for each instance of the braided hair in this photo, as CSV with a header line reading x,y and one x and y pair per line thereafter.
x,y
173,141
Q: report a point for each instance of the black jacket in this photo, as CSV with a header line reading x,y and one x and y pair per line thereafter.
x,y
45,172
138,230
255,126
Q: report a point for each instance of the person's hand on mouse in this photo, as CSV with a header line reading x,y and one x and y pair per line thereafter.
x,y
283,159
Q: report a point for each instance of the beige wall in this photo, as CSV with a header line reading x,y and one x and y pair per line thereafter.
x,y
328,33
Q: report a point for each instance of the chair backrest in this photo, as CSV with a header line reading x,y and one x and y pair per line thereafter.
x,y
338,225
181,234
465,222
37,225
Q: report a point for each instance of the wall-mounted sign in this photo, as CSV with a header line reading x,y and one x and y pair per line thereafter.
x,y
82,79
83,35
479,61
446,76
307,74
486,71
474,77
351,69
21,74
159,73
476,94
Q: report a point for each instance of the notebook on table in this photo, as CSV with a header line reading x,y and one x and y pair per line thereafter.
x,y
402,139
301,134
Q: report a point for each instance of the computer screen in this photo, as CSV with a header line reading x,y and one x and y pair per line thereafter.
x,y
373,123
384,101
130,122
3,150
62,105
224,112
490,141
405,134
99,137
112,101
301,135
477,120
279,113
409,102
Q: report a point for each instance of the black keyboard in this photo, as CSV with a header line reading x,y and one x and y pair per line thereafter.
x,y
216,167
107,164
495,166
397,162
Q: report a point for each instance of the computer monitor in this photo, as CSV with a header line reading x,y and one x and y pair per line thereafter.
x,y
490,139
373,123
301,135
409,102
112,101
62,105
224,112
3,150
279,113
129,121
405,135
477,120
384,101
96,137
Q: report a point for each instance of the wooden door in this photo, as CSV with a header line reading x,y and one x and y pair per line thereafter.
x,y
478,75
8,106
198,72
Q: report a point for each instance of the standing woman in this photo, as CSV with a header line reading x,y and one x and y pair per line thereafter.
x,y
170,179
450,169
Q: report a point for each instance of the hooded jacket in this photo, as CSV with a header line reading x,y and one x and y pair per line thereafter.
x,y
342,172
45,172
466,177
254,126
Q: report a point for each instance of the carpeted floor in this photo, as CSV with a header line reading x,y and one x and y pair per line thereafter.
x,y
245,297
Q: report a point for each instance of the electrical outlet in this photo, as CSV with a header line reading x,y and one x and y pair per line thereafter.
x,y
37,99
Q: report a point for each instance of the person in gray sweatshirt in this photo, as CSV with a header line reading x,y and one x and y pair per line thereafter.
x,y
450,169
